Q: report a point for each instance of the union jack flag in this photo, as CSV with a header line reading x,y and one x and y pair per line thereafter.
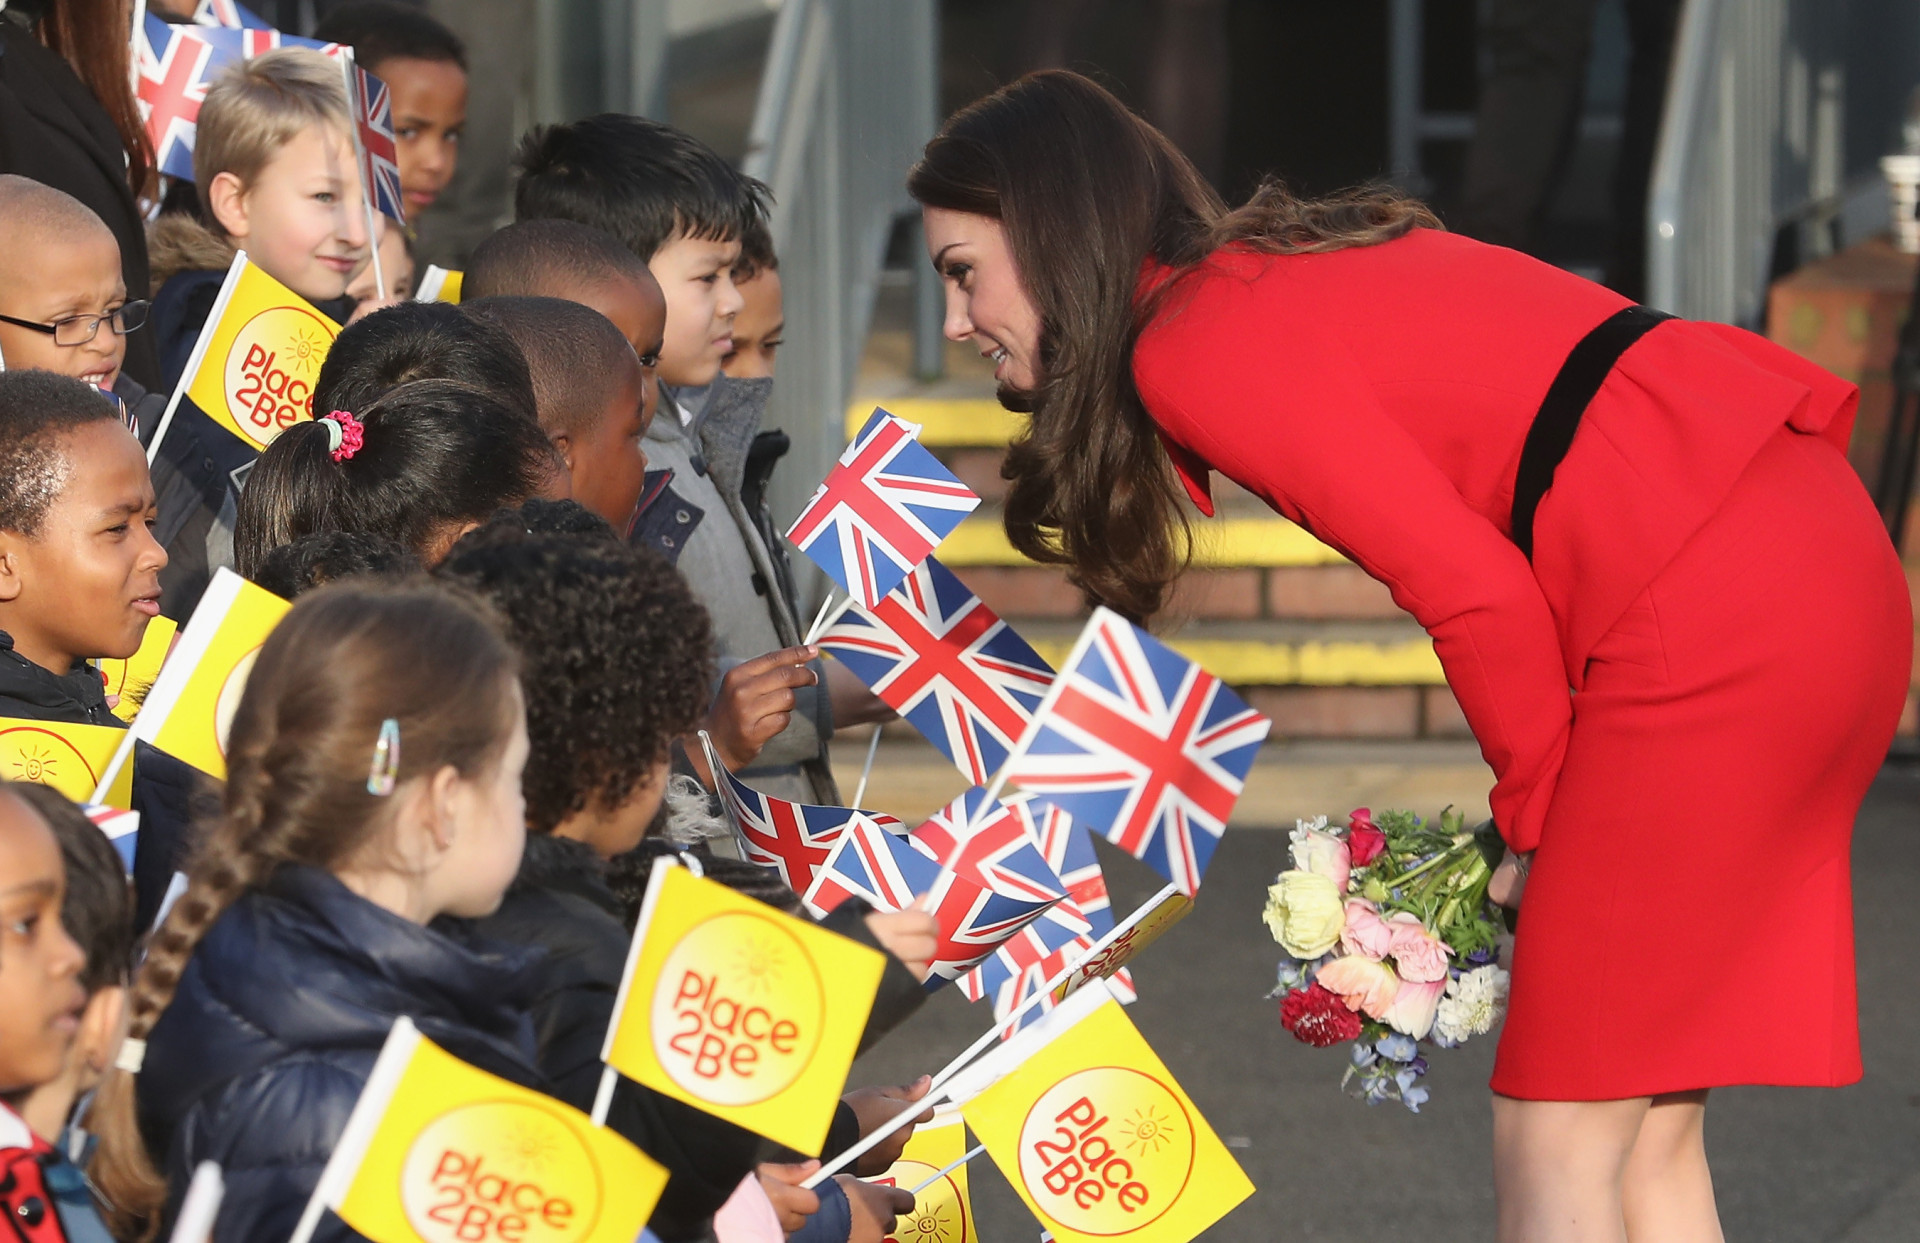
x,y
793,839
229,13
121,827
890,872
379,158
1143,746
992,844
883,507
176,64
1084,913
947,663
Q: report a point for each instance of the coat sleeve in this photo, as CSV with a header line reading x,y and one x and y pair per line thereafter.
x,y
1290,421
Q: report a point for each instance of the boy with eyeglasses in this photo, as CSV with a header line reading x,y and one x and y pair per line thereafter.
x,y
63,302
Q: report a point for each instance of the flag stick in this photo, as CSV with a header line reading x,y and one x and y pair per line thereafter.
x,y
718,772
866,770
603,1096
945,1170
200,1205
358,106
819,620
121,754
934,1094
205,339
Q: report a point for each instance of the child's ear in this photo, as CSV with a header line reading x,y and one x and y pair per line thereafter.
x,y
10,581
227,200
102,1028
563,445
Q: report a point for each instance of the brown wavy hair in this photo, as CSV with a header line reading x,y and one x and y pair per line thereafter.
x,y
1087,192
91,36
348,656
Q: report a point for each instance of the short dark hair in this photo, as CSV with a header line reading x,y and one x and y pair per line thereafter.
x,y
756,252
381,30
312,561
572,351
538,256
639,180
37,408
543,517
617,658
435,454
98,909
421,341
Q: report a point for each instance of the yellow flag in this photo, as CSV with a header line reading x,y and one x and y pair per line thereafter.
x,y
740,1009
437,1151
439,285
941,1210
1098,1139
129,680
1141,929
252,371
70,758
192,701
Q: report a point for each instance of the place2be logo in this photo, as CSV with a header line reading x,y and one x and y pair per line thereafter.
x,y
1107,1151
270,370
501,1172
736,1013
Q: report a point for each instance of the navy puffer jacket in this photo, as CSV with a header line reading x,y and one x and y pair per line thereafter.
x,y
276,1024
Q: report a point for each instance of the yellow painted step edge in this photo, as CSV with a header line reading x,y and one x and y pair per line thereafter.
x,y
1224,543
946,423
1251,662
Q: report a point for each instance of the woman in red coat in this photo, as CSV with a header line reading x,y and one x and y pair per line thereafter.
x,y
1684,660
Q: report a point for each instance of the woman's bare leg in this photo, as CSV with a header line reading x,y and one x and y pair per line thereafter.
x,y
1668,1191
1559,1168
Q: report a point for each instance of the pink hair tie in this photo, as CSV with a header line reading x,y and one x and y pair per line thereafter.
x,y
345,435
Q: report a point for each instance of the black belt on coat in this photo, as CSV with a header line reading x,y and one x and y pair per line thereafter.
x,y
1566,402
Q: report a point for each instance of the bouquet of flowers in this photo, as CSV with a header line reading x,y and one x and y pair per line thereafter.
x,y
1389,941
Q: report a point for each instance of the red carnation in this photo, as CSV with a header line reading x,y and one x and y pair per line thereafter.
x,y
1317,1017
1365,841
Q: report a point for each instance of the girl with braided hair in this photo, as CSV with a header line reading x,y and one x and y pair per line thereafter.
x,y
373,786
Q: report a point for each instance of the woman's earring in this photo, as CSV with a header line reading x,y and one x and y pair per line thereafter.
x,y
382,776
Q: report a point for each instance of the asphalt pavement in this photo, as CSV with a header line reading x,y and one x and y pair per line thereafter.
x,y
1790,1165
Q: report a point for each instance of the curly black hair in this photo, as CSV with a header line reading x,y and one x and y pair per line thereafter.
x,y
316,560
618,659
38,409
628,874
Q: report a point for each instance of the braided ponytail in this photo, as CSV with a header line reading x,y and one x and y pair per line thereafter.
x,y
347,657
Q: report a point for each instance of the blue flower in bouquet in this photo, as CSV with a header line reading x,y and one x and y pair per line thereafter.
x,y
1295,973
1397,1048
1363,1055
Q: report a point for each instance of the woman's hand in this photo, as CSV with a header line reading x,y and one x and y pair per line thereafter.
x,y
1510,879
911,935
756,701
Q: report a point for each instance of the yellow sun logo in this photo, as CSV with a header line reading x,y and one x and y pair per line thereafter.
x,y
305,348
532,1147
36,764
1147,1130
759,965
934,1224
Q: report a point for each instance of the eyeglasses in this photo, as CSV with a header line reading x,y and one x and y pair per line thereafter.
x,y
80,329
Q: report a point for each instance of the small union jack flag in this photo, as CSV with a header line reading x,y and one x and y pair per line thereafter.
x,y
891,872
379,158
121,827
947,663
176,64
794,839
883,507
1142,746
1068,851
229,13
992,844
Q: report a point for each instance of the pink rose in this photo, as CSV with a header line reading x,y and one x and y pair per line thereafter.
x,y
1322,853
1365,841
1414,1006
1420,956
1366,934
1363,984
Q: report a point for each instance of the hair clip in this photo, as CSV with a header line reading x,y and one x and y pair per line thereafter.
x,y
132,1056
386,760
345,435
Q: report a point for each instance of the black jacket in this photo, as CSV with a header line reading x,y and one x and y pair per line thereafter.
x,y
278,1019
53,130
168,794
561,903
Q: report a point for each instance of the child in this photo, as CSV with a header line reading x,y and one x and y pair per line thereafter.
x,y
760,328
79,566
566,259
275,175
680,207
63,302
41,1003
425,463
425,68
421,341
396,266
292,570
596,398
588,615
267,994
